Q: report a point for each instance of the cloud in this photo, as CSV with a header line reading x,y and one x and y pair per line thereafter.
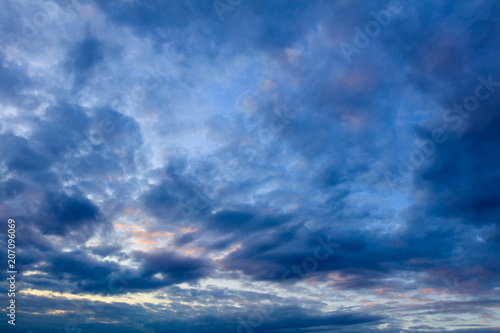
x,y
64,213
207,162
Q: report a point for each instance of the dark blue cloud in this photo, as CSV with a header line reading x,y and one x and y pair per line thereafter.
x,y
11,188
67,213
83,58
173,267
14,83
24,158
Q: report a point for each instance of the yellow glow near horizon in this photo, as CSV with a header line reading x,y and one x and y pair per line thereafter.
x,y
128,298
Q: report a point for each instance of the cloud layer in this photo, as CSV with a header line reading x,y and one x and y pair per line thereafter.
x,y
252,166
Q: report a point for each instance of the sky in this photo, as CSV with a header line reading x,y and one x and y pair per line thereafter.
x,y
251,166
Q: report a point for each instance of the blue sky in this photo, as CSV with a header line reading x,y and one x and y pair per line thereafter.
x,y
252,166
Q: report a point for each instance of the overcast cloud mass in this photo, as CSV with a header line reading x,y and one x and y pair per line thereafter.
x,y
251,165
